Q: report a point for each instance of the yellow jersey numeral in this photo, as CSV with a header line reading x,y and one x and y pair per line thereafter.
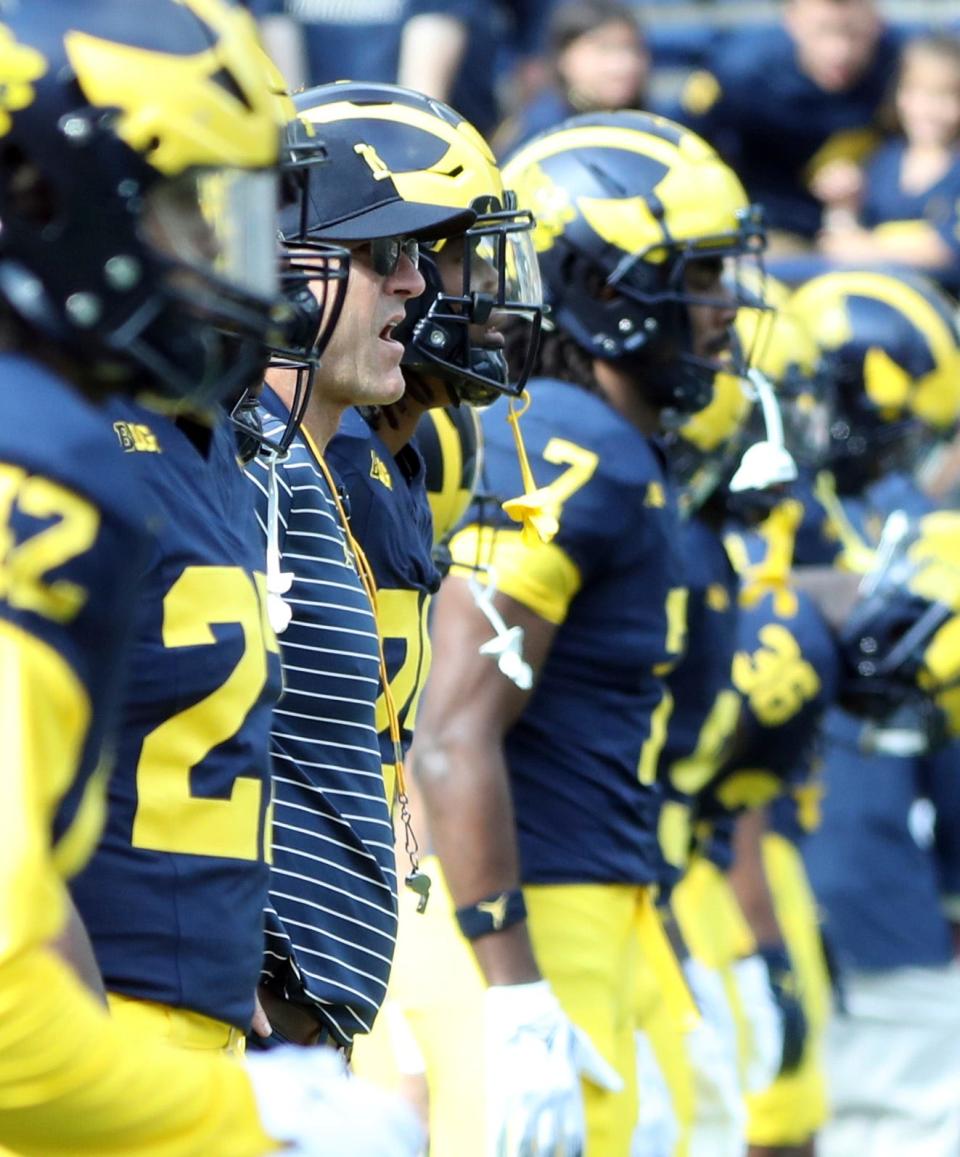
x,y
776,680
582,465
169,817
24,565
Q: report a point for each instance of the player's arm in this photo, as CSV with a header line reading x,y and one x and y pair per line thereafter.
x,y
432,48
283,39
458,758
748,878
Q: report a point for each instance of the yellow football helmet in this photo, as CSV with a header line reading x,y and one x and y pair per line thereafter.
x,y
706,446
137,192
901,643
779,346
451,443
891,354
624,202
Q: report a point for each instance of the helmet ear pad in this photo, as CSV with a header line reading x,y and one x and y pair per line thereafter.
x,y
636,327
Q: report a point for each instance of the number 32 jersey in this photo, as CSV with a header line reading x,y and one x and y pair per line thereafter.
x,y
74,528
583,755
173,897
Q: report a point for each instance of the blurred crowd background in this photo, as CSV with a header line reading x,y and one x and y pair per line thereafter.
x,y
842,117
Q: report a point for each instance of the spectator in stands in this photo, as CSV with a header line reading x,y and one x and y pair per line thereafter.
x,y
448,49
786,104
904,207
464,52
317,41
598,62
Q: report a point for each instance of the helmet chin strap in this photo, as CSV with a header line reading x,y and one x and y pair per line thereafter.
x,y
766,463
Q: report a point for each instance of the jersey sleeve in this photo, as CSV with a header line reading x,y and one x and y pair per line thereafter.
x,y
546,577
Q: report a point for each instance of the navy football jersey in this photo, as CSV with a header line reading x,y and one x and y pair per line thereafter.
x,y
787,671
872,869
583,756
173,897
705,705
390,518
76,528
887,205
777,143
332,918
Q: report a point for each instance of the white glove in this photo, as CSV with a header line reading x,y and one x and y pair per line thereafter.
x,y
535,1057
719,1113
657,1132
308,1098
765,1022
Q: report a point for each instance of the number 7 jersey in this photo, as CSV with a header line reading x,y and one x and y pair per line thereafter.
x,y
583,755
173,897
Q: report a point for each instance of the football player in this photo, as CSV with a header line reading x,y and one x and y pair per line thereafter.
x,y
825,74
113,279
703,452
481,287
892,351
540,783
405,175
784,675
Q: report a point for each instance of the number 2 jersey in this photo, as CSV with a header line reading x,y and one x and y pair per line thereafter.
x,y
74,540
174,896
583,755
390,518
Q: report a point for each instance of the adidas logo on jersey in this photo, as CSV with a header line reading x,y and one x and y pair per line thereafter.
x,y
136,436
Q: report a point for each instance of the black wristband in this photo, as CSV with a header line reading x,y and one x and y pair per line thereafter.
x,y
492,914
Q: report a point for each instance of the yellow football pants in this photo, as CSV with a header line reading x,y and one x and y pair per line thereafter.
x,y
795,1106
589,941
177,1026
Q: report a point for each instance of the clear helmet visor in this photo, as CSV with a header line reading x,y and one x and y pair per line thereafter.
x,y
482,329
204,335
220,226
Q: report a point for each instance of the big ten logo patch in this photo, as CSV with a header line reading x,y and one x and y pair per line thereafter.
x,y
135,436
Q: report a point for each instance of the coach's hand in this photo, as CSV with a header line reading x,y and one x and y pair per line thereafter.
x,y
307,1098
535,1057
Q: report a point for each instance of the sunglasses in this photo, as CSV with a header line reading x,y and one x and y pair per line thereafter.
x,y
385,253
